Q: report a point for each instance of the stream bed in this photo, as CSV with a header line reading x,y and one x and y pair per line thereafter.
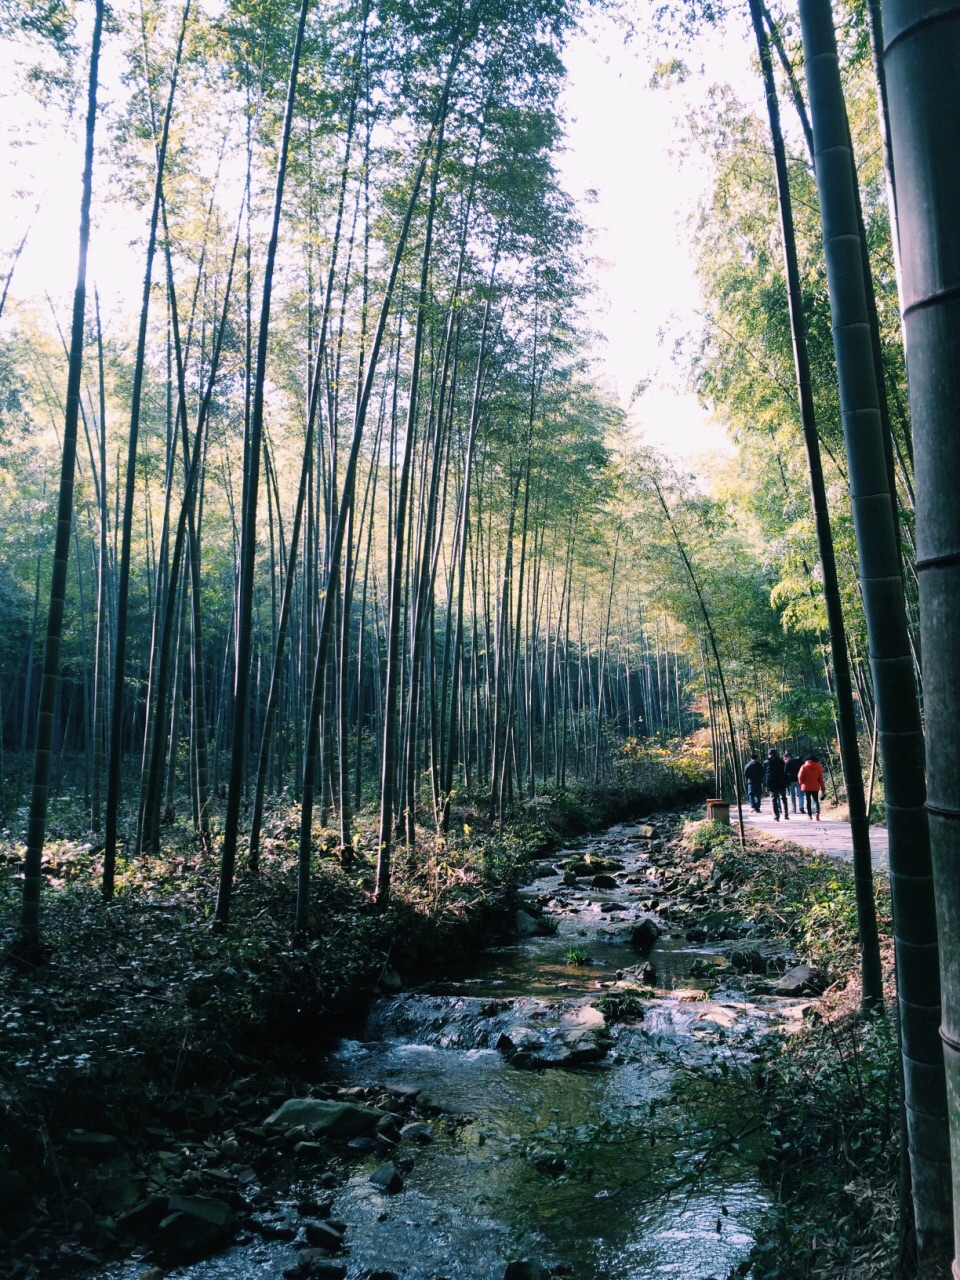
x,y
578,1093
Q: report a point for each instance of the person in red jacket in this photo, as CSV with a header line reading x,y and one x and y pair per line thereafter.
x,y
812,785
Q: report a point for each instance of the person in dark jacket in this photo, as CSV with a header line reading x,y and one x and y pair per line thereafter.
x,y
753,776
791,765
775,776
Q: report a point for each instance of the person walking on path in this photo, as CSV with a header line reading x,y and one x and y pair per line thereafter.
x,y
812,785
791,766
775,776
753,777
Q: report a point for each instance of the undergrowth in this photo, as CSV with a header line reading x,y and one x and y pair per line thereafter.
x,y
830,1101
805,898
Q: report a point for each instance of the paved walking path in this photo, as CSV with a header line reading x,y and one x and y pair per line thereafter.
x,y
826,836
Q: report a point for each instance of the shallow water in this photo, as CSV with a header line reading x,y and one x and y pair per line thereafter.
x,y
642,1165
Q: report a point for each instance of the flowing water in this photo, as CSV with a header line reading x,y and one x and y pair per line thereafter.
x,y
640,1164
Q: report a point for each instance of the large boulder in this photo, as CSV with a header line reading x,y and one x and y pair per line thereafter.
x,y
417,1131
387,1178
748,960
318,1115
521,1046
193,1227
528,926
324,1235
643,934
575,1040
581,1033
801,980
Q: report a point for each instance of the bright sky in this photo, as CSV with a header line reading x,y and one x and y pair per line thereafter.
x,y
624,144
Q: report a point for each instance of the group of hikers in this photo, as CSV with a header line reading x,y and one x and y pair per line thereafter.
x,y
786,776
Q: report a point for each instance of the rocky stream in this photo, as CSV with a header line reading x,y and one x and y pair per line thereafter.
x,y
574,1101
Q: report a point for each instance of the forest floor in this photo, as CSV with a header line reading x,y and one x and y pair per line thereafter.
x,y
137,1064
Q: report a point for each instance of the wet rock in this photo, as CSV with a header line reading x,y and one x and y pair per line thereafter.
x,y
520,1046
388,1127
313,1264
97,1146
748,960
387,1178
434,1105
312,1208
318,1115
362,1144
801,980
272,1226
616,931
193,1228
380,1275
603,881
580,1033
643,934
716,1018
78,1213
648,831
417,1131
527,926
323,1269
204,1209
569,878
141,1221
390,980
310,1150
405,1094
525,1270
324,1235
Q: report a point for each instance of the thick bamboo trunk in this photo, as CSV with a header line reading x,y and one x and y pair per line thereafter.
x,y
29,942
922,64
115,756
252,444
392,729
870,967
900,731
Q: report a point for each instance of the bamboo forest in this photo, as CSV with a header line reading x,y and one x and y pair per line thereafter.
x,y
469,469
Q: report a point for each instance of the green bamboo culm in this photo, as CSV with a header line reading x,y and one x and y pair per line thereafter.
x,y
29,946
871,970
922,63
891,662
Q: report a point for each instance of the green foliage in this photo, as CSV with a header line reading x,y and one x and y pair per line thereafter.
x,y
578,956
830,1099
809,899
624,1006
682,757
709,837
